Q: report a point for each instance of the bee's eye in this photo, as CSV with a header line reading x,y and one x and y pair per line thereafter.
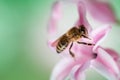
x,y
82,31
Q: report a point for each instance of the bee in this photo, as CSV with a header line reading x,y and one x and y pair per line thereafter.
x,y
72,35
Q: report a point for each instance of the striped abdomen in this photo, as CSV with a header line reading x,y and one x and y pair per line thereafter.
x,y
62,44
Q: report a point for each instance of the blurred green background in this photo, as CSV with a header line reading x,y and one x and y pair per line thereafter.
x,y
24,54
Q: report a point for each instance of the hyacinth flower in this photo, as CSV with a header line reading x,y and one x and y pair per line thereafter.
x,y
85,56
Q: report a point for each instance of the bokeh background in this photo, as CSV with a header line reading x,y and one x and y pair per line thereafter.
x,y
24,54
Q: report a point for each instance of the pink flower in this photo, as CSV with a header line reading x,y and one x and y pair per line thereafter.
x,y
86,56
96,57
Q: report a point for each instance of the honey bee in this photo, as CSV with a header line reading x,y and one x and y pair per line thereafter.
x,y
73,35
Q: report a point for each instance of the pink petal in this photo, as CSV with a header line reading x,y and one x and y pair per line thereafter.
x,y
82,16
114,55
80,72
53,23
105,64
103,71
52,44
100,34
101,11
62,69
80,76
55,17
66,65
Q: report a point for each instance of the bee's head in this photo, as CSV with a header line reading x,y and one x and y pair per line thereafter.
x,y
83,31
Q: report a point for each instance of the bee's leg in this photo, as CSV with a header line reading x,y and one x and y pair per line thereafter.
x,y
90,44
86,36
71,53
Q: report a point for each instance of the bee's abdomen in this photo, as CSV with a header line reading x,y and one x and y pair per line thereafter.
x,y
60,48
62,44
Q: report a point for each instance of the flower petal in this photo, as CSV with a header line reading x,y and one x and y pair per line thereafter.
x,y
80,72
62,69
114,55
105,64
101,11
100,34
55,17
66,65
82,16
80,76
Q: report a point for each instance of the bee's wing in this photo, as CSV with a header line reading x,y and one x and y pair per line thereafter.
x,y
54,43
